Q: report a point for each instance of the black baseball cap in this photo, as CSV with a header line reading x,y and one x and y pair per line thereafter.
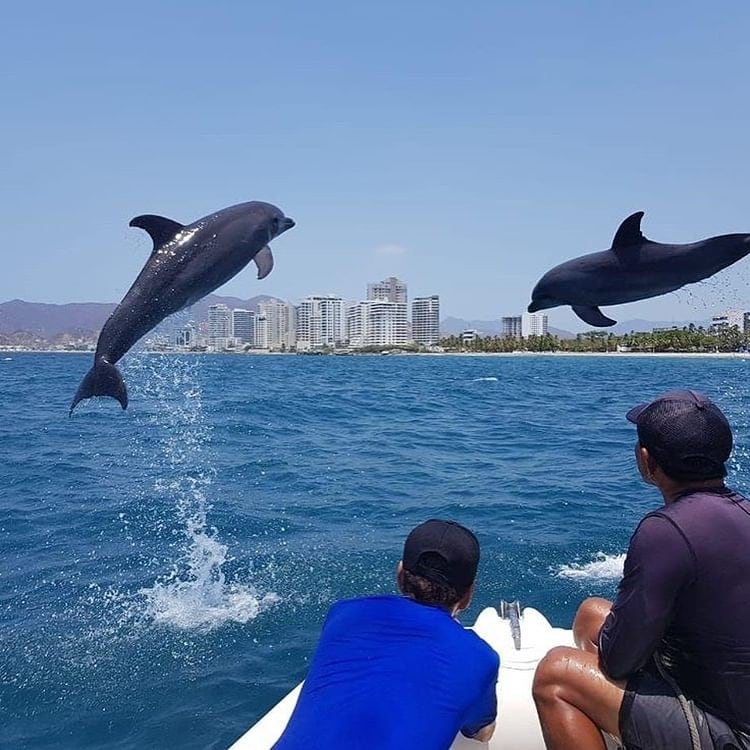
x,y
686,433
442,552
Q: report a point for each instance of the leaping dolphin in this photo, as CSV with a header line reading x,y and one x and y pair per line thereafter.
x,y
187,263
633,268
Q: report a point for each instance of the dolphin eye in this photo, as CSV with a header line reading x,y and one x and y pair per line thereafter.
x,y
275,225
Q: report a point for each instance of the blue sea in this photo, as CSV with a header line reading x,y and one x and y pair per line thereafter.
x,y
164,572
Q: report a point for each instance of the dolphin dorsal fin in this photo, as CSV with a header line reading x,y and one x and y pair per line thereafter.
x,y
629,233
160,229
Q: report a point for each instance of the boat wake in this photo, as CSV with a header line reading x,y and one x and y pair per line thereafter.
x,y
602,567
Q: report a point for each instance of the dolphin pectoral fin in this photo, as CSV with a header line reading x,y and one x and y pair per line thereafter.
x,y
103,379
160,229
629,233
593,316
264,260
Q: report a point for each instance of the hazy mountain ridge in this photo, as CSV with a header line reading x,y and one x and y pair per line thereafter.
x,y
50,320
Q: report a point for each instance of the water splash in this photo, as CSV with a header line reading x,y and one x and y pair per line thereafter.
x,y
488,379
602,567
195,594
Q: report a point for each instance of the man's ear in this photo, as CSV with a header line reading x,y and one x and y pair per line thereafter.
x,y
465,600
400,575
647,465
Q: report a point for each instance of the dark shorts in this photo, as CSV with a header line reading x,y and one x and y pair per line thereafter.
x,y
651,718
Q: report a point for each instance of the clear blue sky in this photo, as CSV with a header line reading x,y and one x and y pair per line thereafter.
x,y
465,147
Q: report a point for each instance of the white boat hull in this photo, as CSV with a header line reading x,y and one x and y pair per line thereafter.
x,y
517,723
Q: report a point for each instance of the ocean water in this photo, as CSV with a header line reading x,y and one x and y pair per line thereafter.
x,y
164,572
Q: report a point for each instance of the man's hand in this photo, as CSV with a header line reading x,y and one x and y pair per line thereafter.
x,y
484,734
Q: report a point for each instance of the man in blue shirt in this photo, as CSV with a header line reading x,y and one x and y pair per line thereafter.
x,y
395,672
667,666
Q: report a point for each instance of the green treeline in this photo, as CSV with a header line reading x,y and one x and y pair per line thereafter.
x,y
689,339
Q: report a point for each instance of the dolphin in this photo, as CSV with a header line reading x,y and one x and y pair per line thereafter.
x,y
633,268
187,263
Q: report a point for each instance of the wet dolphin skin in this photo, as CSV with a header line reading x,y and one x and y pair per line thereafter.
x,y
633,268
187,263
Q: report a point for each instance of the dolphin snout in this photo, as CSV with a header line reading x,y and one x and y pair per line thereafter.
x,y
286,223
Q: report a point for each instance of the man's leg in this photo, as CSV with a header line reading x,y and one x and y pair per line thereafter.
x,y
575,700
588,622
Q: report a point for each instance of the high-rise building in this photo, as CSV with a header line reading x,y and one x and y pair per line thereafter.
x,y
731,319
533,324
280,324
377,322
261,332
425,320
243,327
219,327
390,289
320,322
511,327
185,337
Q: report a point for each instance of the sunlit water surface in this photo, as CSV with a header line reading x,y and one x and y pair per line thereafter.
x,y
165,571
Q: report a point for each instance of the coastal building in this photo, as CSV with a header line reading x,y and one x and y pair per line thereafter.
x,y
377,322
425,320
260,340
390,289
320,323
281,325
219,327
731,319
243,327
533,324
186,336
469,337
511,327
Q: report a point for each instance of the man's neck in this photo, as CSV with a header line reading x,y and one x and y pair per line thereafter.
x,y
675,490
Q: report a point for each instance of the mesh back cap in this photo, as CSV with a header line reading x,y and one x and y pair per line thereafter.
x,y
686,433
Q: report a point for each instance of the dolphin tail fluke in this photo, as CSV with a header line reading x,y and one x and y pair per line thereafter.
x,y
593,316
103,379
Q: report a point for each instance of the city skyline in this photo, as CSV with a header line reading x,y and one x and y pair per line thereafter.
x,y
468,157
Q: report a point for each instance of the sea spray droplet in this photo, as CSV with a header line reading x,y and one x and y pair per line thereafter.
x,y
195,593
603,567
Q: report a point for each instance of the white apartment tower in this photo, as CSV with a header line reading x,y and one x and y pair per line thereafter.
x,y
730,319
533,324
320,323
391,289
377,322
261,332
425,320
219,327
280,325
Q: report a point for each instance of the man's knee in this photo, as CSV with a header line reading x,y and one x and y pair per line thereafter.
x,y
588,621
551,673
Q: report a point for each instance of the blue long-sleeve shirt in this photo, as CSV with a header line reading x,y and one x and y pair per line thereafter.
x,y
686,593
388,674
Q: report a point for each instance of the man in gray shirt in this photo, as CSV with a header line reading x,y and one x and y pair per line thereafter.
x,y
668,664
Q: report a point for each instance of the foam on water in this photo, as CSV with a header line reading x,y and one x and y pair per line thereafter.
x,y
602,567
489,379
195,594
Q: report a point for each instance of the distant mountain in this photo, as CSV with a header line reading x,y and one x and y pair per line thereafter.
x,y
453,326
51,320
